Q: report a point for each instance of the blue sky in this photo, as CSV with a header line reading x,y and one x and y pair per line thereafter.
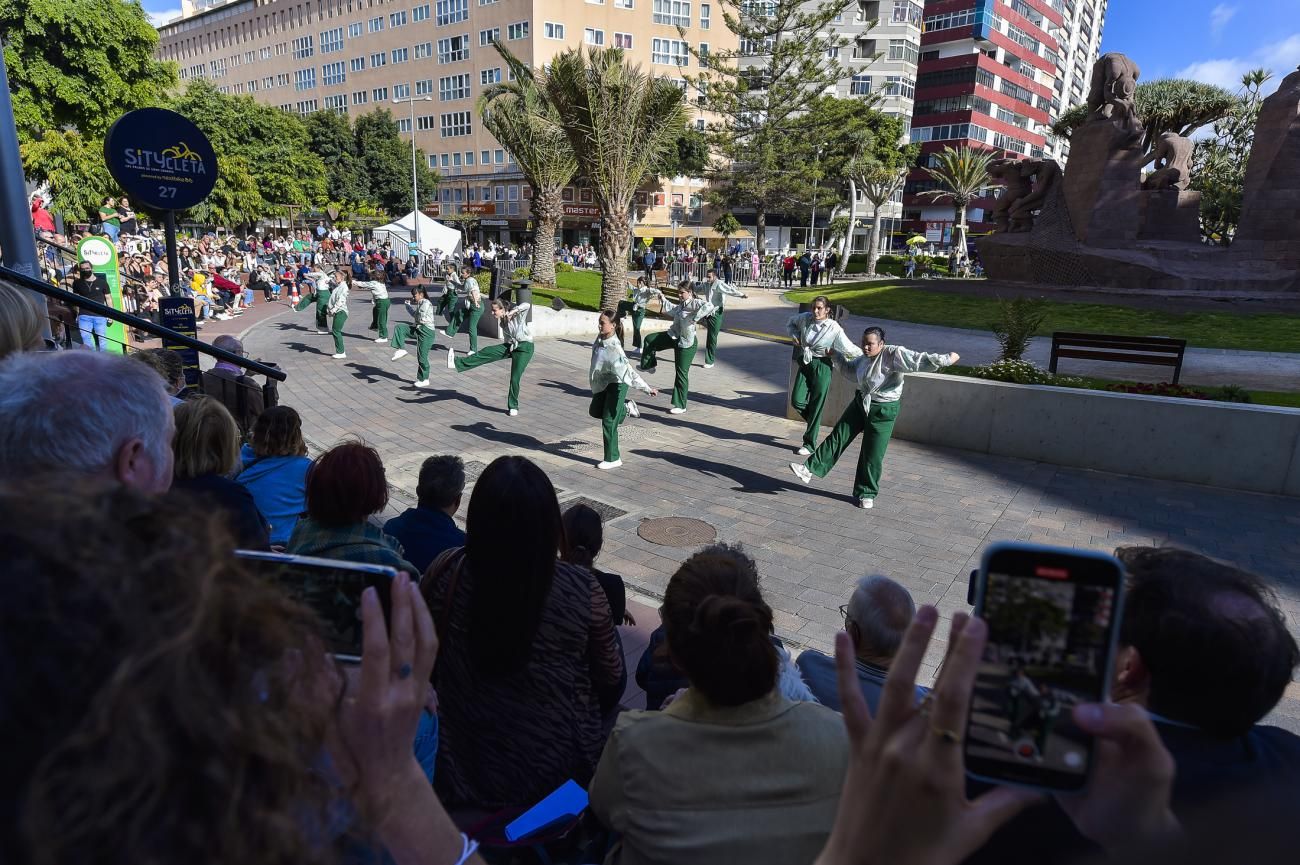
x,y
1209,40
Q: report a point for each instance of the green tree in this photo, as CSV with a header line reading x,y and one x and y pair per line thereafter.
x,y
330,137
519,115
386,161
73,167
962,173
80,64
1219,162
620,122
876,170
726,225
1165,105
688,158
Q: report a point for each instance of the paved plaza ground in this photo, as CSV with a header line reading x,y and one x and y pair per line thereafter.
x,y
725,462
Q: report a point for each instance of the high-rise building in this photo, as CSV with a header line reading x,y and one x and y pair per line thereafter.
x,y
352,56
1079,39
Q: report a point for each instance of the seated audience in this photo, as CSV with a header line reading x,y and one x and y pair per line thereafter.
x,y
346,486
584,534
731,770
429,528
167,363
275,468
21,326
527,648
84,414
207,457
237,391
875,618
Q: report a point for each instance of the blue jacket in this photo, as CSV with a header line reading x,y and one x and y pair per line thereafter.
x,y
819,674
424,534
279,486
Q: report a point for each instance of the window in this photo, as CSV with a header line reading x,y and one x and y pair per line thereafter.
x,y
360,97
265,53
404,124
518,30
354,31
424,87
424,122
623,4
424,51
397,19
553,30
566,194
331,41
499,157
907,12
623,40
487,2
401,91
302,47
377,60
904,49
379,94
420,13
487,37
376,24
469,157
860,85
896,85
333,73
490,76
453,87
453,48
401,55
433,161
671,52
454,124
307,106
451,11
512,193
1006,142
304,79
675,13
337,104
945,21
357,64
591,36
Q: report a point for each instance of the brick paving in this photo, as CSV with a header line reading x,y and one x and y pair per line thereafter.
x,y
725,462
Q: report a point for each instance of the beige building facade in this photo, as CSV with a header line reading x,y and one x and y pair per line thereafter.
x,y
352,56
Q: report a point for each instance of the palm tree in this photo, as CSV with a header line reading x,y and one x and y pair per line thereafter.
x,y
620,122
518,115
962,173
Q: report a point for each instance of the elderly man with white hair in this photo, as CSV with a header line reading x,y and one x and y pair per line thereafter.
x,y
81,414
875,618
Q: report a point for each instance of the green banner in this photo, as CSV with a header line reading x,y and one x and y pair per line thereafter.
x,y
102,255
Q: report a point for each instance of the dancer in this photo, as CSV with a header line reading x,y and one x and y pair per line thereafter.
x,y
319,295
879,375
681,337
816,337
642,293
378,289
425,335
611,376
518,346
452,285
717,290
467,310
338,307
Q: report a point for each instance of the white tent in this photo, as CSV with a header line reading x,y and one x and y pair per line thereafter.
x,y
433,234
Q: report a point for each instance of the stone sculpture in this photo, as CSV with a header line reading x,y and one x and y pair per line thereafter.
x,y
1173,163
1110,93
1014,186
1044,173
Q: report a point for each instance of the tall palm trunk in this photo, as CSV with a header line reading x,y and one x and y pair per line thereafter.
x,y
548,210
760,229
873,251
615,245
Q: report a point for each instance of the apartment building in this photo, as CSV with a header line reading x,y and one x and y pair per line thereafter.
x,y
1079,39
352,56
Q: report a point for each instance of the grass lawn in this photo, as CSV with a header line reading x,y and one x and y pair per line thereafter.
x,y
1255,332
579,289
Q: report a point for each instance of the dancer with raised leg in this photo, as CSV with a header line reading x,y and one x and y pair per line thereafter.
x,y
319,295
716,291
611,375
816,337
681,337
642,293
518,347
425,335
466,310
378,289
879,375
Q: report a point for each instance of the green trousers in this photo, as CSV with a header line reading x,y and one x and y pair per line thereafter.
x,y
321,299
304,301
609,407
875,427
379,316
808,396
424,339
519,359
445,302
682,358
714,326
626,307
468,318
340,319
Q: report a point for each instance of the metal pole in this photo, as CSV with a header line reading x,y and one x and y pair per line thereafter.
x,y
415,183
812,219
17,236
173,260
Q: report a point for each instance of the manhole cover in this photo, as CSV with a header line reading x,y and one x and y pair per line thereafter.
x,y
677,531
607,511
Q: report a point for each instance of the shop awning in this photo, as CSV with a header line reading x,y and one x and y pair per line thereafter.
x,y
701,231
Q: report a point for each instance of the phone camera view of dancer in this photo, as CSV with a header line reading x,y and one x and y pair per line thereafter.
x,y
817,337
681,338
518,347
611,375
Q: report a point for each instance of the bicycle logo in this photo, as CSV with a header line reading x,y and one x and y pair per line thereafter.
x,y
182,151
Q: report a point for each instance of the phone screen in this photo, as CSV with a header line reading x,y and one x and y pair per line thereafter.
x,y
1052,617
331,588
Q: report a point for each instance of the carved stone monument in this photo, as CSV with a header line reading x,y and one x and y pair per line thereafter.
x,y
1269,227
1014,187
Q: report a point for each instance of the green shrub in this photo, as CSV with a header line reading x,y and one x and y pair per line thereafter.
x,y
1018,320
519,273
484,278
563,267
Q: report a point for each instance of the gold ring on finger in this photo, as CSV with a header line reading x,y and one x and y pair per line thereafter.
x,y
948,737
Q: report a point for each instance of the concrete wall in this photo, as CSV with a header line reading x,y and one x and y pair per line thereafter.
x,y
1255,448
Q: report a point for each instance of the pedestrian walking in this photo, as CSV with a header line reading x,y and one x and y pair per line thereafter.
x,y
517,347
681,337
716,291
611,375
422,316
817,337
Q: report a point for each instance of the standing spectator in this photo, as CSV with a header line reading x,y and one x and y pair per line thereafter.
x,y
275,467
41,218
237,391
650,257
109,221
832,262
787,269
805,267
126,217
428,529
815,274
206,451
93,326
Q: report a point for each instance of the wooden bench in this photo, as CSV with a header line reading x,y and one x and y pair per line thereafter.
x,y
1151,350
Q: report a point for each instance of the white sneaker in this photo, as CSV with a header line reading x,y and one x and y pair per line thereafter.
x,y
340,356
221,316
803,451
469,354
708,366
399,354
442,330
318,330
605,465
422,383
451,358
381,339
632,410
514,412
866,504
676,410
801,472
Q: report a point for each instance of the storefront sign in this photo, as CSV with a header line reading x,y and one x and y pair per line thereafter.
x,y
161,159
499,223
488,209
102,256
177,313
431,209
588,210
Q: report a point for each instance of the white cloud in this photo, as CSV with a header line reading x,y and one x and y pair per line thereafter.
x,y
1220,15
160,18
1280,58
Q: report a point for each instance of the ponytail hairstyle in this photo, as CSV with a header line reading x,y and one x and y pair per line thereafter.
x,y
718,627
584,534
423,292
617,321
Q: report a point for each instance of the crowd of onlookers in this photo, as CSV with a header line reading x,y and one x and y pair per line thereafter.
x,y
159,703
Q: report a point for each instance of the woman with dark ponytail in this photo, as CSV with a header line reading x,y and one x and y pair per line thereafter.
x,y
611,376
732,770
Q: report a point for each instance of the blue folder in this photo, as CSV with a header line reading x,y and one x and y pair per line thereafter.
x,y
567,802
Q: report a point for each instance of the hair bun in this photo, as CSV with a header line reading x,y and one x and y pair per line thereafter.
x,y
727,617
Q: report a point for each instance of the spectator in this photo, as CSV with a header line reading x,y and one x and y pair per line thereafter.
x,y
805,266
731,771
93,326
346,486
429,528
207,457
584,535
528,648
168,364
275,468
238,392
20,321
875,618
110,223
78,414
41,218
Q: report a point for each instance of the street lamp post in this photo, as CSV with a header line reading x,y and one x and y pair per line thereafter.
x,y
415,184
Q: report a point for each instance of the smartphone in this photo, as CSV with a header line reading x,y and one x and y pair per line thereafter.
x,y
331,588
1053,617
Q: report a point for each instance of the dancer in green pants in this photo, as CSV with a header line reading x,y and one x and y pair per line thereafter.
x,y
816,338
453,284
680,336
320,296
611,375
518,346
715,290
378,289
467,309
338,307
422,311
642,293
879,375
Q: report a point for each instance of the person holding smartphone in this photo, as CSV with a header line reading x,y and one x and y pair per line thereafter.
x,y
878,372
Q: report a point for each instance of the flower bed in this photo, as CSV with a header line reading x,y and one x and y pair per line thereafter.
x,y
1025,372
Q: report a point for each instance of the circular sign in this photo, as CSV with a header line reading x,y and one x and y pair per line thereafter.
x,y
97,251
161,159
